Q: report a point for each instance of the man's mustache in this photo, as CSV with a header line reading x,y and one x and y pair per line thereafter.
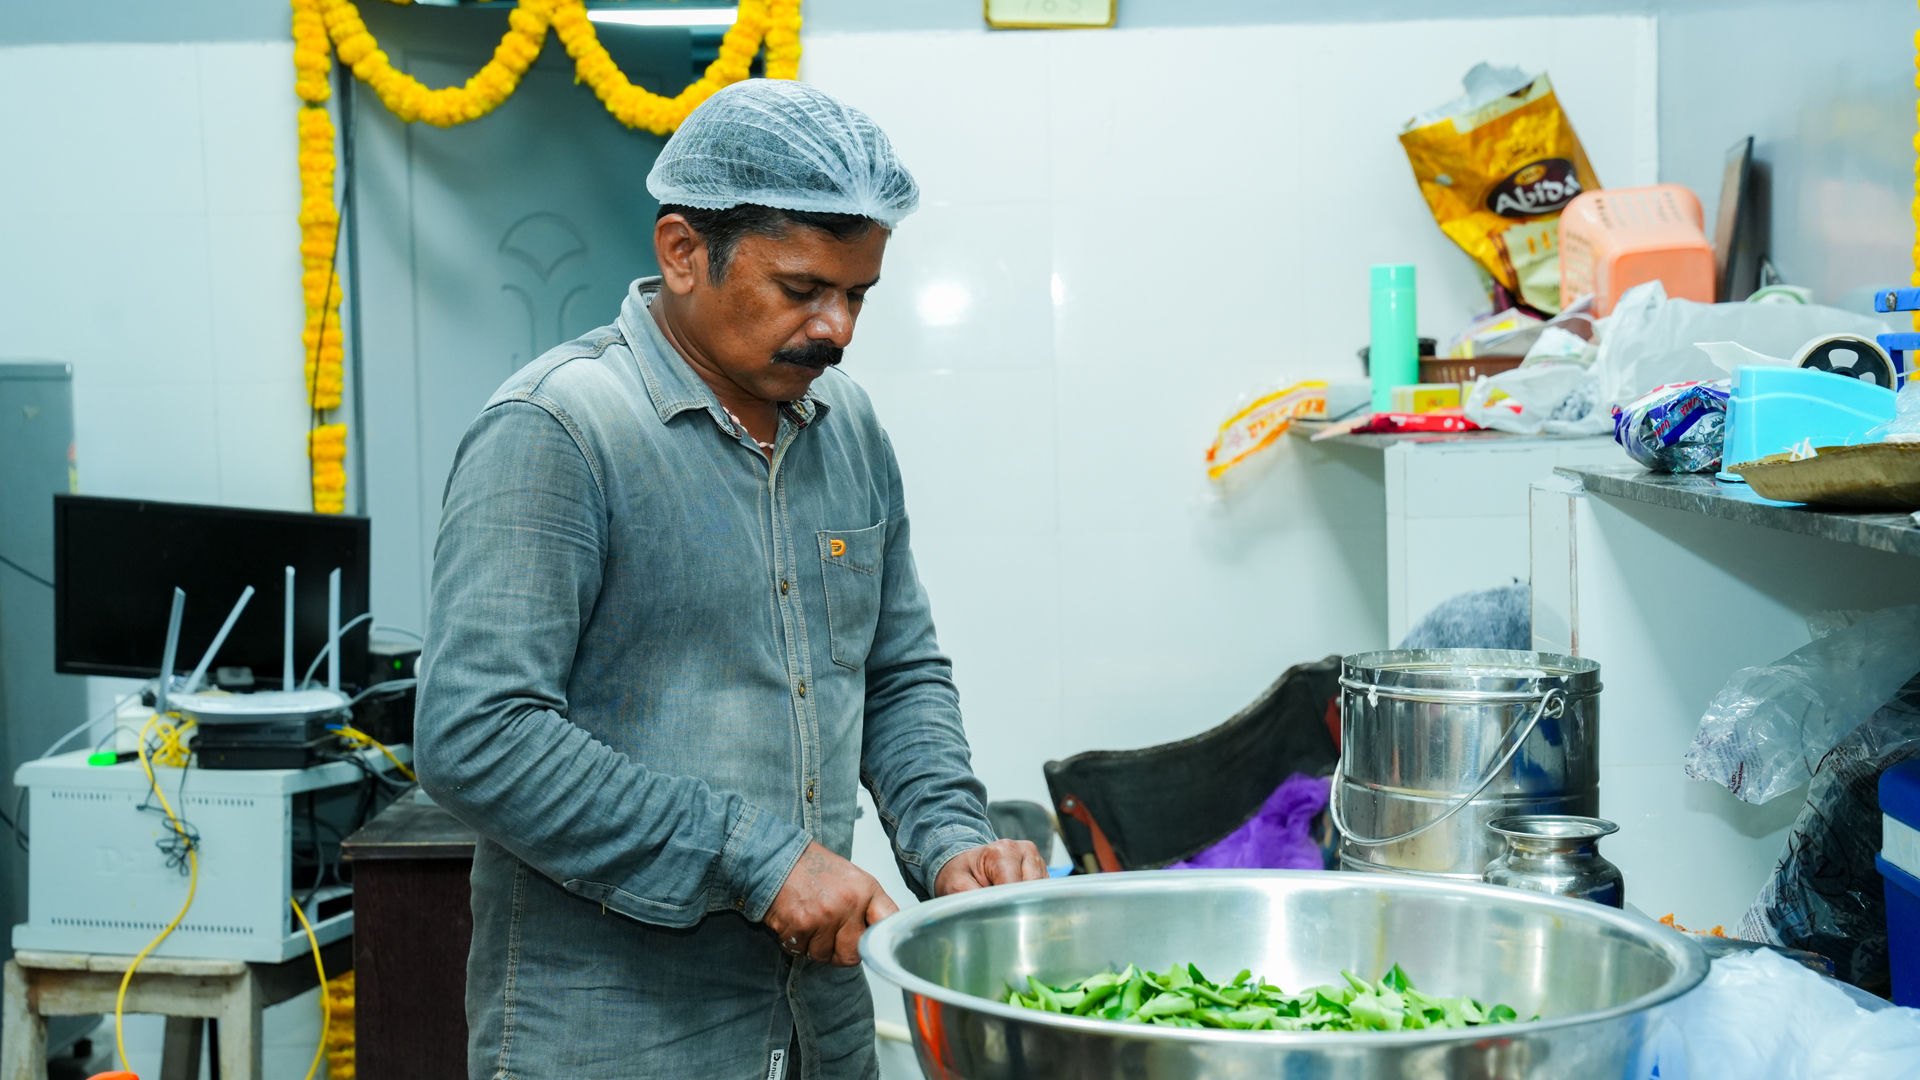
x,y
818,355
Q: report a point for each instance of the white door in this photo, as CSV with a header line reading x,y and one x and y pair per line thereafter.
x,y
480,247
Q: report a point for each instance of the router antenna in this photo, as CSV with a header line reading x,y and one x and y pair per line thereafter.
x,y
173,643
333,630
219,639
286,641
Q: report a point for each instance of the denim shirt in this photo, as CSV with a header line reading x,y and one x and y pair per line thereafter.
x,y
658,663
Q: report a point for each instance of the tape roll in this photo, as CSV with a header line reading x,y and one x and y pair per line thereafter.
x,y
1852,355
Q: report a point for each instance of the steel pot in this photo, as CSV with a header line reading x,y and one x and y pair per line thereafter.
x,y
1558,854
1437,743
1591,974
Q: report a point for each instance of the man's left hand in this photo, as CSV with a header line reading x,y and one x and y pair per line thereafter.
x,y
1002,862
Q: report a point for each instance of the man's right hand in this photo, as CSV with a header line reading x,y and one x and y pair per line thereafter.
x,y
824,907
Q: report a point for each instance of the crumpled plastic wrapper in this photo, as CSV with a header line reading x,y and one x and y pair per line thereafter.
x,y
1677,428
1905,425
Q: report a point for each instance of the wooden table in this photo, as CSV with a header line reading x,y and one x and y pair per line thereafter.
x,y
413,925
232,993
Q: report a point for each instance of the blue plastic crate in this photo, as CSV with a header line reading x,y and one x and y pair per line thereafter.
x,y
1903,932
1900,800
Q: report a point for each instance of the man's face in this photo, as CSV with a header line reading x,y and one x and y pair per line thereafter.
x,y
784,311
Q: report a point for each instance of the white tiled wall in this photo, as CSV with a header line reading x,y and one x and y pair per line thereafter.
x,y
148,237
1122,232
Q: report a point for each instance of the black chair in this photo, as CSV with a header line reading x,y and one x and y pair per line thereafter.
x,y
1140,809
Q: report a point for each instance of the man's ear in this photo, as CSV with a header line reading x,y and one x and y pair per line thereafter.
x,y
681,252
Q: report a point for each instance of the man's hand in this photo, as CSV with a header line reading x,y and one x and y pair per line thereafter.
x,y
1002,862
825,905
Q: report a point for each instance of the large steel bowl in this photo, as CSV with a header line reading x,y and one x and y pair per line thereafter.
x,y
1591,973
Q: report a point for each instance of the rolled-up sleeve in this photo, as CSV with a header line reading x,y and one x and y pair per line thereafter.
x,y
914,755
516,574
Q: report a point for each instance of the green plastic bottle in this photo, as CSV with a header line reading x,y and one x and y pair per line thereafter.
x,y
1393,349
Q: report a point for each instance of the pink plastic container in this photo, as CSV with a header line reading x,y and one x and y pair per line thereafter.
x,y
1614,239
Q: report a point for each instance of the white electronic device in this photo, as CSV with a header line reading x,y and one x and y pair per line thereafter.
x,y
106,874
268,728
98,883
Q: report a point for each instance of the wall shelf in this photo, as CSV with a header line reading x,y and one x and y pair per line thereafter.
x,y
1700,493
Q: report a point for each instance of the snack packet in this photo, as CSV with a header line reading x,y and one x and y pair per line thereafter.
x,y
1497,166
1256,425
1680,427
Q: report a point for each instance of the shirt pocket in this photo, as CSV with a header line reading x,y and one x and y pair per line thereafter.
x,y
850,562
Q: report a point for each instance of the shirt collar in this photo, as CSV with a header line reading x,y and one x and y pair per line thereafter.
x,y
672,384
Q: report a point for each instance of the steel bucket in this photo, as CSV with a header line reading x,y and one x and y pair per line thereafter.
x,y
1590,972
1438,743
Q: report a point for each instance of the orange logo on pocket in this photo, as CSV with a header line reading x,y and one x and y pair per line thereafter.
x,y
837,547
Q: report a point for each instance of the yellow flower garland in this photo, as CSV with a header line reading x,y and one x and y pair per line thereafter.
x,y
777,23
323,27
408,99
327,449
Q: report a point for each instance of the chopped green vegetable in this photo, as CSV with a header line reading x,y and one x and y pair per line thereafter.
x,y
1183,997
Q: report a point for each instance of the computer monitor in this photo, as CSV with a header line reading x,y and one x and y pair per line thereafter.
x,y
116,563
1738,234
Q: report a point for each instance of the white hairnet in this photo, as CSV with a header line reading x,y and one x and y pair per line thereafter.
x,y
784,144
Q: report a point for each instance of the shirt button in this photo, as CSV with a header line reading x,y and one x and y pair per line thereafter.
x,y
809,791
783,588
803,688
739,902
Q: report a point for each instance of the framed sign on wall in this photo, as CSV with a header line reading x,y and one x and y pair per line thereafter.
x,y
1049,14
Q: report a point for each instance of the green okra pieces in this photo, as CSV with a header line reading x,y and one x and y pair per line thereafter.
x,y
1184,997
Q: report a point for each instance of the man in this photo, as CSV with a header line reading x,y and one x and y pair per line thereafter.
x,y
676,620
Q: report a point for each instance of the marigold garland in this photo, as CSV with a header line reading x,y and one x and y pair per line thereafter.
x,y
341,1051
327,448
777,23
323,27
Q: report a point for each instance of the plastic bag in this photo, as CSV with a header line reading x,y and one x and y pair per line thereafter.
x,y
1279,836
1905,425
1497,166
1826,895
1558,345
1760,1016
1766,731
1676,428
1551,399
1649,340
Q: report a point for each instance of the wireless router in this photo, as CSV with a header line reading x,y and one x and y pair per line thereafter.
x,y
269,729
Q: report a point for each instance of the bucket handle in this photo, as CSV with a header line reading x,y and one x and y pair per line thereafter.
x,y
1554,699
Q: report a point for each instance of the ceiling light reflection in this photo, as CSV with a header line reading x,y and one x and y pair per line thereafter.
x,y
690,16
944,303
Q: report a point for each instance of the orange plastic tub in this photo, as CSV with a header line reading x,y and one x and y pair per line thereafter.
x,y
1614,239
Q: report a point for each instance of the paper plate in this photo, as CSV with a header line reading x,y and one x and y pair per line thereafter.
x,y
1872,476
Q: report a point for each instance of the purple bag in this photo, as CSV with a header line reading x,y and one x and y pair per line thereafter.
x,y
1279,836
